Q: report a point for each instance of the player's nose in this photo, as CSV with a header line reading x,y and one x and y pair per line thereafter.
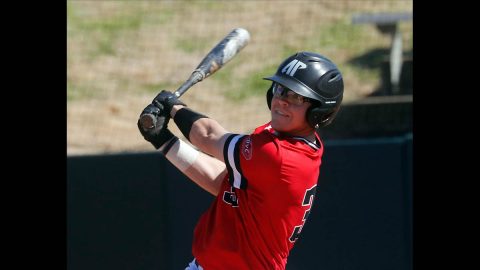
x,y
281,100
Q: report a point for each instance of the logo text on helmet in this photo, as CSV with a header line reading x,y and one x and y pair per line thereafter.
x,y
293,66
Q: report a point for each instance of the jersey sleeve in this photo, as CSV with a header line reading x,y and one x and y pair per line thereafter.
x,y
232,161
252,160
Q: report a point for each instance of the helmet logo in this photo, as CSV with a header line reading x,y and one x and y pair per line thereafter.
x,y
293,66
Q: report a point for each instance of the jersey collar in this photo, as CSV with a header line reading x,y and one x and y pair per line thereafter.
x,y
314,145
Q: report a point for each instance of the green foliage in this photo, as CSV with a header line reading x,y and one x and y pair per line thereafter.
x,y
342,37
155,88
80,91
103,30
108,30
112,25
251,84
191,45
341,34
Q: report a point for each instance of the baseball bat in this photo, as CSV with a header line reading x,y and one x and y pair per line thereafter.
x,y
222,53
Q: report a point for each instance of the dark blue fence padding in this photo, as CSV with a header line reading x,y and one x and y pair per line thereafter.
x,y
361,218
137,211
116,212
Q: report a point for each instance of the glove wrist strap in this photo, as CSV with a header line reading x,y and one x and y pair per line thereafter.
x,y
165,147
161,139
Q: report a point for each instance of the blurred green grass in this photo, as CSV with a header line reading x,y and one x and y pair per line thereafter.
x,y
99,31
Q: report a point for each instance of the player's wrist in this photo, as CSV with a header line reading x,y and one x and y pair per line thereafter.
x,y
167,145
175,109
159,140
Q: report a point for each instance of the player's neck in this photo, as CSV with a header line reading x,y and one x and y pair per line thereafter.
x,y
308,136
311,137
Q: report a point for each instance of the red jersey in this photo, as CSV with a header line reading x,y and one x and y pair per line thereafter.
x,y
263,204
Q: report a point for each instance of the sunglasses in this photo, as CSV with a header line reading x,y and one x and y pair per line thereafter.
x,y
281,91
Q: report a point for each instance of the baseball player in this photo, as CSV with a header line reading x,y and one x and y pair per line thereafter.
x,y
264,183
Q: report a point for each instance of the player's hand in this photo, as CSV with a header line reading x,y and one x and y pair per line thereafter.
x,y
153,123
167,100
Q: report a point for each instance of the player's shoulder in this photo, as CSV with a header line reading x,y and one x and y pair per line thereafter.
x,y
260,145
265,128
263,143
263,134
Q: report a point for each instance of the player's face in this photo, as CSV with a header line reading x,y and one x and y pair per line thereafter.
x,y
288,112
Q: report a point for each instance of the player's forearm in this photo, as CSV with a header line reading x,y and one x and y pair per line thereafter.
x,y
204,170
208,173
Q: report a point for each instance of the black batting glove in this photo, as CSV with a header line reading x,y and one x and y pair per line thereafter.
x,y
167,100
153,124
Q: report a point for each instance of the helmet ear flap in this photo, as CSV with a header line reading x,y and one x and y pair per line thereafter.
x,y
319,117
270,96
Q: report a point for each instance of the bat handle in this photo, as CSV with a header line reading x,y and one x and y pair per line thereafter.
x,y
197,75
148,122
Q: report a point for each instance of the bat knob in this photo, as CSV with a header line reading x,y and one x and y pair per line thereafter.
x,y
147,121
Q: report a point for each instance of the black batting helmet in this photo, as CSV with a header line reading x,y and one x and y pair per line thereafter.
x,y
313,76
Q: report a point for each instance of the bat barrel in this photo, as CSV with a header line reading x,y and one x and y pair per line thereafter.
x,y
235,41
223,52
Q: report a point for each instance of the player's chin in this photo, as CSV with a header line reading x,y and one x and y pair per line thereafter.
x,y
279,124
